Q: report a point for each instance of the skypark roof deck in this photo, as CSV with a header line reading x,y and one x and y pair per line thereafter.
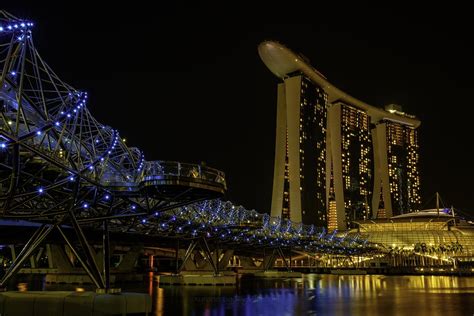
x,y
282,61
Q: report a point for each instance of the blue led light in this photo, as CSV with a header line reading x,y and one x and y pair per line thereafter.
x,y
3,145
107,197
13,73
85,205
133,207
71,178
38,133
40,190
56,123
143,221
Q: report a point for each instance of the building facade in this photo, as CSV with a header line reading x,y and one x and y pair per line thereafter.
x,y
337,159
351,164
299,187
397,148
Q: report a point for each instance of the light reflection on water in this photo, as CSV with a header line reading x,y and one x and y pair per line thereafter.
x,y
322,295
311,295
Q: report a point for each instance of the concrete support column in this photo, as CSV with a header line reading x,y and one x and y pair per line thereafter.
x,y
248,263
129,259
280,153
224,261
58,259
293,96
381,179
12,251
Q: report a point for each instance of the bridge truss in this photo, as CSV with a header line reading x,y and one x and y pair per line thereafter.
x,y
60,166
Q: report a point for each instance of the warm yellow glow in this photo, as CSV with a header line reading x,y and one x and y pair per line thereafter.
x,y
22,287
332,216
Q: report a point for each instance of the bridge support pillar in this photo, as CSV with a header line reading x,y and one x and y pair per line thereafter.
x,y
12,251
35,240
129,260
224,261
203,266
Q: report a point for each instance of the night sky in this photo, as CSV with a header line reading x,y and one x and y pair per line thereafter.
x,y
186,83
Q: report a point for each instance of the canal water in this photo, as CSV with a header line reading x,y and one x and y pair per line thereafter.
x,y
312,294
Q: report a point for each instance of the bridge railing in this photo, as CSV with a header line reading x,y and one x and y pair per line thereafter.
x,y
158,169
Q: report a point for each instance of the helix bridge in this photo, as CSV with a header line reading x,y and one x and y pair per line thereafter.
x,y
60,167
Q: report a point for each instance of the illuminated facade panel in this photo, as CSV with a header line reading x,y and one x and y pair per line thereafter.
x,y
397,167
299,184
357,162
367,149
350,155
402,155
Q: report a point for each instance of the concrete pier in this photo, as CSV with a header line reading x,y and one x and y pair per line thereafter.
x,y
277,274
81,278
197,279
65,303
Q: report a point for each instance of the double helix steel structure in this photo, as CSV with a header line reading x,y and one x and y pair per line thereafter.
x,y
60,167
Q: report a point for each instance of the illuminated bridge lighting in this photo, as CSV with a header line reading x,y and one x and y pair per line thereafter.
x,y
82,160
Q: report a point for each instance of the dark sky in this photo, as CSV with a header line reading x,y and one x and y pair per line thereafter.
x,y
186,83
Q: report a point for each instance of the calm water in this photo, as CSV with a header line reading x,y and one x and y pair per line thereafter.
x,y
317,295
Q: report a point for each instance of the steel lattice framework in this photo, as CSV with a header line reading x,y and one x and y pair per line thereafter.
x,y
59,165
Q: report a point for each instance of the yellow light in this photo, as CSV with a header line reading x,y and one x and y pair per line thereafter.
x,y
22,287
10,122
80,289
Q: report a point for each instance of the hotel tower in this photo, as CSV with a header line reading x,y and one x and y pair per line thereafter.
x,y
337,159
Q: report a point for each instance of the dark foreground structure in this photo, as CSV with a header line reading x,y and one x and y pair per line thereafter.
x,y
68,182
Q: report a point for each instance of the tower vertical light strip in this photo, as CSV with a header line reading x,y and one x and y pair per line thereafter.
x,y
413,175
381,179
334,125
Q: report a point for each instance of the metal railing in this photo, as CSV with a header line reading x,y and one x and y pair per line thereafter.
x,y
158,169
